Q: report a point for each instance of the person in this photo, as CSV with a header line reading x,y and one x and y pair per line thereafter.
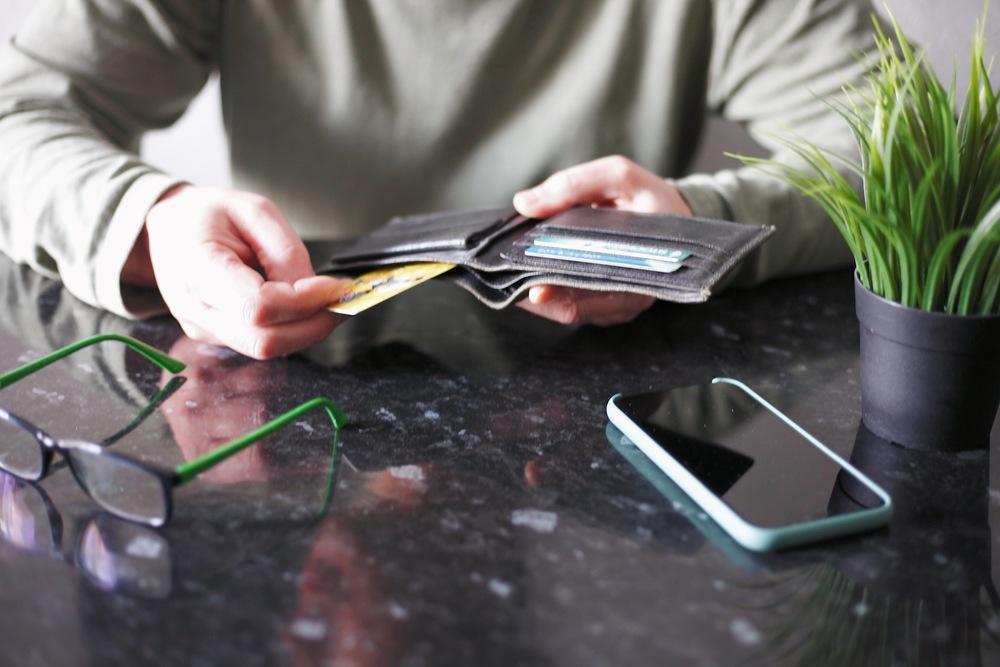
x,y
340,115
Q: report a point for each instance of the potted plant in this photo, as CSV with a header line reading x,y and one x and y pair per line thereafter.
x,y
925,234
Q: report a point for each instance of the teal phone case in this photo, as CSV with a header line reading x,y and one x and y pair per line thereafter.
x,y
681,502
758,538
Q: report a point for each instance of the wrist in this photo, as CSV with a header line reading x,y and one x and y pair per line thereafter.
x,y
138,267
680,202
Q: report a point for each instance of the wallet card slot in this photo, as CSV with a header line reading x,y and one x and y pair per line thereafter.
x,y
513,223
689,249
502,298
714,235
500,279
689,275
450,231
508,279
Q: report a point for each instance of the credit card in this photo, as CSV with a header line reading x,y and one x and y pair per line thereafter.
x,y
611,247
603,259
374,287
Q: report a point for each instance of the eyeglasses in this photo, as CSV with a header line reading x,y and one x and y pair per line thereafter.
x,y
114,554
123,485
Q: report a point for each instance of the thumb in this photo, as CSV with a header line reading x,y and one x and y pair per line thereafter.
x,y
278,248
595,182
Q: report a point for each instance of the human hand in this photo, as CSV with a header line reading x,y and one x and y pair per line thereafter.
x,y
609,181
207,249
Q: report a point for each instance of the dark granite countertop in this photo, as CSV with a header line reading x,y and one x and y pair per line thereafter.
x,y
479,514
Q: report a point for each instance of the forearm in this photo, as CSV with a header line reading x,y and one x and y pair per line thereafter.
x,y
71,204
806,240
79,84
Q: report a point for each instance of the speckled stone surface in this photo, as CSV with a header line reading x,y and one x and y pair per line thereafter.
x,y
475,512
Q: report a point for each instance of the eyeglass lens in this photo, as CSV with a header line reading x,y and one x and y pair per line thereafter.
x,y
25,519
120,486
20,453
122,556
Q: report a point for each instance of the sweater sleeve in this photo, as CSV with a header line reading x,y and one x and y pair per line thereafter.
x,y
79,83
774,66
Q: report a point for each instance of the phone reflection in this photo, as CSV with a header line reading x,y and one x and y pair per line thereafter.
x,y
932,581
753,458
920,593
695,521
115,555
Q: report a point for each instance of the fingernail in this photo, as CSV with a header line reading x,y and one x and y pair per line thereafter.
x,y
536,294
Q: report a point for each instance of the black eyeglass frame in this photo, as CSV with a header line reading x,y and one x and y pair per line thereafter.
x,y
50,445
166,478
70,553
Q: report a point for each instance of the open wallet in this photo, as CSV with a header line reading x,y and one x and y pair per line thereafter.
x,y
500,254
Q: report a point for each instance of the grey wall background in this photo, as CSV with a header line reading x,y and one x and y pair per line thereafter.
x,y
195,147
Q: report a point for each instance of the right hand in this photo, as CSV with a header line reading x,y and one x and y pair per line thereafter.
x,y
207,250
613,181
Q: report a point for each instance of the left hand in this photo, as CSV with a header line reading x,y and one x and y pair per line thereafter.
x,y
613,181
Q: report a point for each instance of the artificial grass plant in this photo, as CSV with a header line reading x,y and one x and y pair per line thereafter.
x,y
925,230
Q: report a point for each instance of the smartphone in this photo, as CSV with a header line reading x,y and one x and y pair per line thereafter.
x,y
755,472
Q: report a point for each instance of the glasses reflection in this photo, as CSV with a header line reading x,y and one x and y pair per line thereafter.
x,y
114,555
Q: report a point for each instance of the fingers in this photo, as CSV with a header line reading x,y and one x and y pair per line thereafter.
x,y
278,248
608,181
596,182
568,305
236,289
592,182
205,245
266,342
540,294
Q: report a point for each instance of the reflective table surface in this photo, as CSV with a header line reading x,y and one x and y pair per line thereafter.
x,y
476,510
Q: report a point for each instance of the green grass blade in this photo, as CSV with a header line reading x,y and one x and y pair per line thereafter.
x,y
989,303
973,262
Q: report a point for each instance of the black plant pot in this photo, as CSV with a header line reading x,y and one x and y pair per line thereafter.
x,y
928,380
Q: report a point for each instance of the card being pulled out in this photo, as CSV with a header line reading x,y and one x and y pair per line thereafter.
x,y
381,285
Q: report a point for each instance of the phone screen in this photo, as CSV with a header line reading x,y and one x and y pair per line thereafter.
x,y
746,455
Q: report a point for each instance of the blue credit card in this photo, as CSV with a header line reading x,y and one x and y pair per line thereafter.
x,y
621,248
585,257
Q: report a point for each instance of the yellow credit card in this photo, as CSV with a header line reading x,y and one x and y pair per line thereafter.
x,y
375,287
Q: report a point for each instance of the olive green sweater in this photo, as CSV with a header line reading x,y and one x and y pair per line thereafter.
x,y
347,112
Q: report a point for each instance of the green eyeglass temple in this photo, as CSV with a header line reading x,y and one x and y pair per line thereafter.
x,y
188,471
162,360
